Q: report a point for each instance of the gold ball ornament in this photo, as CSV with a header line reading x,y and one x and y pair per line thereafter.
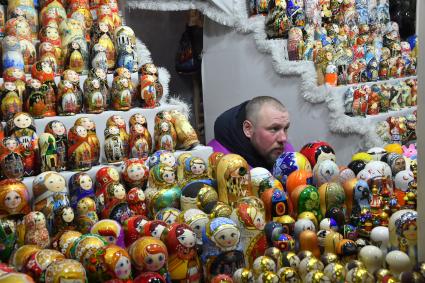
x,y
289,274
316,276
359,275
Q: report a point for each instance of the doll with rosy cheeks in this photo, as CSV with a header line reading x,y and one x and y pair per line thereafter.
x,y
136,201
86,214
149,254
169,215
64,219
184,265
14,197
80,186
135,173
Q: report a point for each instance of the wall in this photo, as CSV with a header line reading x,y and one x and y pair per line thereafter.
x,y
234,71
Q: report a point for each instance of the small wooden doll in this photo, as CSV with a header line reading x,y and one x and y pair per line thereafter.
x,y
35,230
43,72
22,127
12,54
150,88
74,78
395,98
86,214
46,52
99,59
50,34
11,103
183,259
385,96
140,146
136,201
94,100
114,146
373,101
165,136
48,152
110,230
360,102
117,120
100,74
127,58
384,63
64,219
75,60
14,197
186,135
69,102
79,150
11,159
58,130
135,173
406,231
93,140
103,37
80,186
295,44
104,14
17,76
121,94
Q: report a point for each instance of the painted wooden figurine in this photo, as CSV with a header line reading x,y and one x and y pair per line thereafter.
x,y
277,22
99,59
165,135
125,40
93,140
86,214
114,145
14,197
150,88
12,54
80,186
75,60
121,94
43,72
186,135
11,103
79,150
48,152
135,173
100,75
36,232
103,37
11,159
139,145
117,120
69,103
93,98
58,130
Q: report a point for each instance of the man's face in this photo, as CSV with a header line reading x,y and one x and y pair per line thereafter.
x,y
269,133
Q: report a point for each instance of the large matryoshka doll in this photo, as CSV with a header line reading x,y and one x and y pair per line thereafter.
x,y
331,195
104,177
79,150
287,163
111,262
22,127
92,138
80,186
221,250
14,197
149,254
186,135
318,151
50,193
276,204
306,198
163,198
117,120
233,178
183,261
250,220
58,130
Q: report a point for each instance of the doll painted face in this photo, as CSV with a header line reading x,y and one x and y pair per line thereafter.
x,y
169,176
55,182
123,268
100,73
138,128
168,159
52,33
81,131
87,123
68,214
12,200
197,167
227,237
86,182
58,128
186,237
154,262
139,118
71,75
164,127
197,226
119,191
113,174
158,230
118,120
114,130
95,83
135,171
10,143
22,121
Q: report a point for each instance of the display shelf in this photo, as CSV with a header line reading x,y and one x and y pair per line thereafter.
x,y
199,151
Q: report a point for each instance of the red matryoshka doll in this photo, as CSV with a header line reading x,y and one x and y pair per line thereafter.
x,y
183,262
318,151
150,88
46,52
114,145
113,4
80,10
69,102
360,101
11,103
104,177
16,76
121,94
14,197
139,118
114,194
58,130
154,228
65,269
43,72
52,11
306,198
93,140
213,160
331,195
373,107
39,261
36,232
136,201
86,214
110,230
250,221
186,135
102,35
276,204
80,186
133,228
149,255
11,159
140,146
233,178
135,173
50,34
148,277
79,150
48,153
117,120
109,263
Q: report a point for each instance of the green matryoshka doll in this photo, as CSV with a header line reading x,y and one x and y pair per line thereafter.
x,y
306,198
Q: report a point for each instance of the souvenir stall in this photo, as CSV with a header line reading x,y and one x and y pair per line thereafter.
x,y
103,179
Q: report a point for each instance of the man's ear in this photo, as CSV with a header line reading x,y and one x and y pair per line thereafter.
x,y
248,128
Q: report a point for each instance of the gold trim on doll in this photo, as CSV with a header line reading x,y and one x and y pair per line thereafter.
x,y
66,269
14,197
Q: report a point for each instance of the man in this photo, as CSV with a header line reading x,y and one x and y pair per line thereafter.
x,y
256,129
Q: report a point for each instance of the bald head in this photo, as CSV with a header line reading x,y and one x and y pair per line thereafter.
x,y
254,106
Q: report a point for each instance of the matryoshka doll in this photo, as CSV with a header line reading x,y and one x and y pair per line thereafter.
x,y
104,177
93,140
109,263
165,135
233,178
36,232
110,230
94,101
68,101
100,75
221,249
17,76
251,222
196,219
213,160
169,215
154,228
306,198
40,260
331,195
276,204
43,72
318,151
164,198
22,127
65,269
98,57
58,130
104,14
136,201
12,54
114,145
75,59
149,254
121,94
86,214
14,197
150,88
11,103
133,228
135,173
50,33
80,186
11,160
186,135
79,150
139,145
406,230
74,78
125,40
48,152
183,262
46,52
102,35
117,120
34,98
277,22
138,118
64,219
287,163
295,44
194,168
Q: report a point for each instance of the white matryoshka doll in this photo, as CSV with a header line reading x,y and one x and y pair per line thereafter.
x,y
114,145
221,249
117,120
50,193
196,219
